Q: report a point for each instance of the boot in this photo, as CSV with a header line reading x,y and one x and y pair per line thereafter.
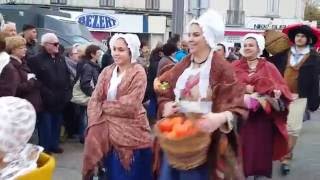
x,y
286,160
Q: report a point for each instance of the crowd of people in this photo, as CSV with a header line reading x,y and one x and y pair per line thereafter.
x,y
251,102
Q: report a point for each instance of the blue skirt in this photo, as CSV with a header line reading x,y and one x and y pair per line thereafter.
x,y
140,169
169,173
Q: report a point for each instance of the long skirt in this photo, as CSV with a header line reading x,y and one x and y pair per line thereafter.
x,y
169,173
257,145
140,169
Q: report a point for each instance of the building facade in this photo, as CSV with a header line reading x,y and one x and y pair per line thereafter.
x,y
152,19
147,18
244,16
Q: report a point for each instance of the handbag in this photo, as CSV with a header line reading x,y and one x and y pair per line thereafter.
x,y
78,96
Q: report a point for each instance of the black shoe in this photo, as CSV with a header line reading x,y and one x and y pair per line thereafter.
x,y
285,169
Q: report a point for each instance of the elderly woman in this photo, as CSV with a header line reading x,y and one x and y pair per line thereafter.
x,y
205,83
118,132
18,119
267,97
16,78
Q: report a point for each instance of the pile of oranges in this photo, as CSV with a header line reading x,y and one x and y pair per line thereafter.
x,y
177,127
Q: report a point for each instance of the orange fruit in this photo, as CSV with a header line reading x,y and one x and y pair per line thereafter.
x,y
177,120
181,130
166,125
171,135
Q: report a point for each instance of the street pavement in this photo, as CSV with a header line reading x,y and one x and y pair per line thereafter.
x,y
306,164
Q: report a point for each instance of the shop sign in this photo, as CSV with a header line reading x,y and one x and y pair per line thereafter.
x,y
98,21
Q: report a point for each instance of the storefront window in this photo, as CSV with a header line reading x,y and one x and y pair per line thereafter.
x,y
58,1
107,3
152,4
273,7
235,13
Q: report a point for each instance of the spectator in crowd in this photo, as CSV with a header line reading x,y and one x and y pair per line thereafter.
x,y
183,51
4,56
143,59
16,78
168,50
175,39
10,29
232,55
88,75
51,70
107,58
30,34
155,57
72,111
72,60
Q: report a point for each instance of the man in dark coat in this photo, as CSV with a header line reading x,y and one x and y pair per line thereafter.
x,y
30,34
300,67
51,70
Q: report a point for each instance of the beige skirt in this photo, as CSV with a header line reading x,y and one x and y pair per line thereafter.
x,y
297,109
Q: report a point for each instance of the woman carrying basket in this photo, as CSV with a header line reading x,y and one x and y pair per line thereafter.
x,y
204,83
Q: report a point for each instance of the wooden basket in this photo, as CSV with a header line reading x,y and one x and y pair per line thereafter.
x,y
186,153
276,42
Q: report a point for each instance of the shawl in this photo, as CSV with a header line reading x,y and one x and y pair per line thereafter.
x,y
227,94
266,79
120,124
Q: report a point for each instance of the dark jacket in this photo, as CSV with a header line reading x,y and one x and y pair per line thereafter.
x,y
164,61
55,79
88,73
152,74
106,60
14,82
308,80
32,49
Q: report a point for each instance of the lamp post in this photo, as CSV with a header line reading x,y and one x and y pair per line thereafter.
x,y
177,16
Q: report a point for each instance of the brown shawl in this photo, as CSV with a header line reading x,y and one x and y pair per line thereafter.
x,y
121,124
227,96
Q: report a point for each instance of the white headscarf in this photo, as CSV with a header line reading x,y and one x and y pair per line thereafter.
x,y
133,44
212,25
260,41
4,60
17,123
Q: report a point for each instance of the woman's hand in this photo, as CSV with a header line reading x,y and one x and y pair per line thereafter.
x,y
249,89
212,121
277,94
295,96
170,108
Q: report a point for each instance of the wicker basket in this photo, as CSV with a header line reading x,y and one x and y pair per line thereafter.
x,y
276,42
186,153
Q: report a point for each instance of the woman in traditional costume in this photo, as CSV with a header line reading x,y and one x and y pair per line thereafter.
x,y
118,134
263,136
205,83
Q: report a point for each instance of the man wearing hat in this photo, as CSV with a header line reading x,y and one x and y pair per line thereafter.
x,y
300,67
30,34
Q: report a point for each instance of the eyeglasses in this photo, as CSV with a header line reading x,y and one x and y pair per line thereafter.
x,y
55,44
